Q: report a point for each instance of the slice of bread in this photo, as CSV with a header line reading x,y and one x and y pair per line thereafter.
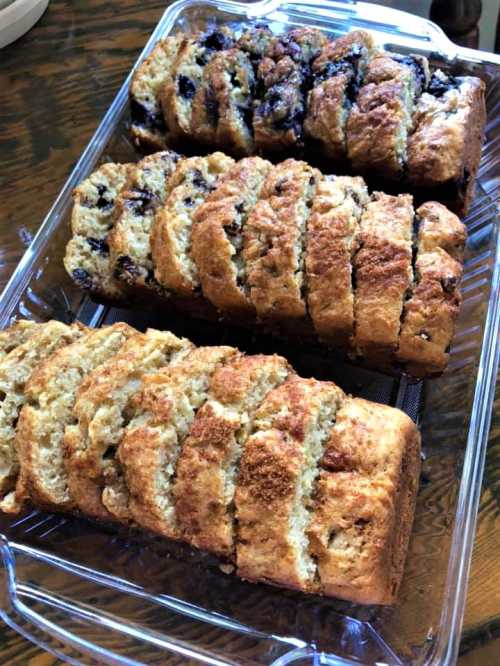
x,y
147,126
364,502
429,316
102,411
276,483
274,242
145,190
51,392
332,240
87,259
16,335
154,437
190,185
209,460
217,238
383,273
15,370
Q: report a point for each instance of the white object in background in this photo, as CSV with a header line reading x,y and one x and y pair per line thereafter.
x,y
17,17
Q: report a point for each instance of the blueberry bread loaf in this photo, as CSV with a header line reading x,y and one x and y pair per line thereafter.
x,y
144,192
148,128
381,118
88,258
430,313
190,184
51,392
178,93
101,412
16,369
288,478
444,148
337,74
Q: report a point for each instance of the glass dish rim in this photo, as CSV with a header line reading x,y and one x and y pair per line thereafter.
x,y
445,647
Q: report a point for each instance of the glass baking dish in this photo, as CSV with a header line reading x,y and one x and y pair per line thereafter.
x,y
90,592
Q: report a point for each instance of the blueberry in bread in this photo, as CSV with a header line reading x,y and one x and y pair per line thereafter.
x,y
337,75
178,93
332,241
88,259
364,503
208,463
444,148
145,190
430,313
277,479
283,77
191,183
16,369
102,411
217,237
148,128
383,273
50,393
381,118
274,242
222,106
154,437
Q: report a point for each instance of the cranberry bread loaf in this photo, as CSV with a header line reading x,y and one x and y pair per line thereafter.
x,y
51,393
297,484
88,258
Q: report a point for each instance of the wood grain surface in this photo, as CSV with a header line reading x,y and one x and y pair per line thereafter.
x,y
55,84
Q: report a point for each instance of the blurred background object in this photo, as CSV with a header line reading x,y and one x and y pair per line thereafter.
x,y
17,17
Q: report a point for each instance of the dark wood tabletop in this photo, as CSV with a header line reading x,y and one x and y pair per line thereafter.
x,y
55,85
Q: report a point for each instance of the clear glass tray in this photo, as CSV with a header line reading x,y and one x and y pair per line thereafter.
x,y
90,592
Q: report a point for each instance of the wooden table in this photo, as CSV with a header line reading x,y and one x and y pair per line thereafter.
x,y
55,85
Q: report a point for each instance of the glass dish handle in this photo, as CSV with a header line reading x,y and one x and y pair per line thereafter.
x,y
412,31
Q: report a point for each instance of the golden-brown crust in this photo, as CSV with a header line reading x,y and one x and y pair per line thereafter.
x,y
207,466
217,239
380,120
269,492
274,241
383,268
364,502
445,146
332,240
190,184
429,315
154,438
